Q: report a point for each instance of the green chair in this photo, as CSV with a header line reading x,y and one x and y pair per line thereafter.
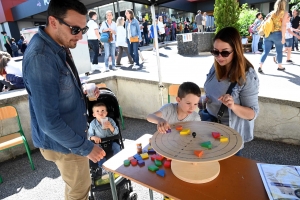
x,y
173,90
103,85
13,139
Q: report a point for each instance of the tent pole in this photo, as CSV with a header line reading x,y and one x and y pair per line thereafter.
x,y
160,85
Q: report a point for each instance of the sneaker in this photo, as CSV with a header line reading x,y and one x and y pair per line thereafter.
x,y
107,70
260,70
135,66
280,69
118,64
109,63
257,52
289,61
114,68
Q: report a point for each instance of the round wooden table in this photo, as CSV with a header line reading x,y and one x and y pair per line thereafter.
x,y
185,164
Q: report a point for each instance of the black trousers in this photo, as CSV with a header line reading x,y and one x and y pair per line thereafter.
x,y
94,44
8,49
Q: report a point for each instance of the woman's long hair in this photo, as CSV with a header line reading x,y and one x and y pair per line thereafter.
x,y
131,13
239,64
4,59
279,6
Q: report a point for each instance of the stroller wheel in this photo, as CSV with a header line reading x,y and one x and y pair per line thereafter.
x,y
133,196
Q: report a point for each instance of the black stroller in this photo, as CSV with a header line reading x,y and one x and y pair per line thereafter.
x,y
124,188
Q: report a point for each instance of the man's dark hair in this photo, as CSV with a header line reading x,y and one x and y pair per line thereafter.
x,y
92,13
259,13
59,8
3,32
188,88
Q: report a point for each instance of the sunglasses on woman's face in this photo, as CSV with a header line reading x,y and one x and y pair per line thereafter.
x,y
74,29
216,53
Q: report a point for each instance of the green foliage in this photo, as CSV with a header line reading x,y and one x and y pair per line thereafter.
x,y
297,4
226,13
246,18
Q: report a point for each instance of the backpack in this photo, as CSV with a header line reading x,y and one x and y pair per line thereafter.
x,y
250,29
266,27
14,47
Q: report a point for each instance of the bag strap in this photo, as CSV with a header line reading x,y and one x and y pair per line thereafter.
x,y
223,107
106,24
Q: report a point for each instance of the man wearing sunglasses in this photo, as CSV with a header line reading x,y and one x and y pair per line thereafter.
x,y
56,100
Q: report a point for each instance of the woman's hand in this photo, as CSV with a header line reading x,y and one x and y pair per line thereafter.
x,y
283,41
163,126
227,100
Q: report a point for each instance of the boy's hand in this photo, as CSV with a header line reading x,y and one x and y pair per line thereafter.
x,y
96,139
163,126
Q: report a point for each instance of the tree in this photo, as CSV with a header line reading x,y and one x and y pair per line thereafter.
x,y
297,4
246,18
226,13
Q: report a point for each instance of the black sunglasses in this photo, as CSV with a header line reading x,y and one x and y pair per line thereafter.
x,y
216,53
74,29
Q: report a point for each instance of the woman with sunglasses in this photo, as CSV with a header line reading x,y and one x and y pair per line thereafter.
x,y
231,66
277,37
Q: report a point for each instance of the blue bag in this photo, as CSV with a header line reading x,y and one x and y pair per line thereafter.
x,y
105,36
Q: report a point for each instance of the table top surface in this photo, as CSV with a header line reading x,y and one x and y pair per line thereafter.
x,y
239,178
181,147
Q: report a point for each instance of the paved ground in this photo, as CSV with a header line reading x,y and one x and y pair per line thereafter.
x,y
20,182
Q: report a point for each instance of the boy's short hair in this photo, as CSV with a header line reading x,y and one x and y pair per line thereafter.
x,y
92,13
188,88
98,105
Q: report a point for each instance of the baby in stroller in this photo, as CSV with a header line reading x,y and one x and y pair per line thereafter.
x,y
100,129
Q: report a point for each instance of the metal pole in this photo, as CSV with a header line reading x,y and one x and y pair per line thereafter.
x,y
113,186
151,194
160,85
118,7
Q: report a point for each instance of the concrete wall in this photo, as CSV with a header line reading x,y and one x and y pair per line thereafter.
x,y
278,120
201,42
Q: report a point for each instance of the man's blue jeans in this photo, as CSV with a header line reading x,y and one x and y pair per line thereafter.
x,y
255,40
295,41
109,50
133,51
146,37
274,38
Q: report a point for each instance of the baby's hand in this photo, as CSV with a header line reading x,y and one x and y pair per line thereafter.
x,y
107,125
96,139
163,126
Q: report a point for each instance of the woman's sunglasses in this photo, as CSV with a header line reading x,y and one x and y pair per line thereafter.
x,y
216,53
74,29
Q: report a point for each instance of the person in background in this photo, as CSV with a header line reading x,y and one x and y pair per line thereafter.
x,y
14,47
204,19
121,41
198,20
277,37
22,44
110,47
57,102
142,34
174,27
93,38
6,42
145,31
133,30
232,67
167,31
186,29
255,35
161,29
180,28
11,72
152,35
295,25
